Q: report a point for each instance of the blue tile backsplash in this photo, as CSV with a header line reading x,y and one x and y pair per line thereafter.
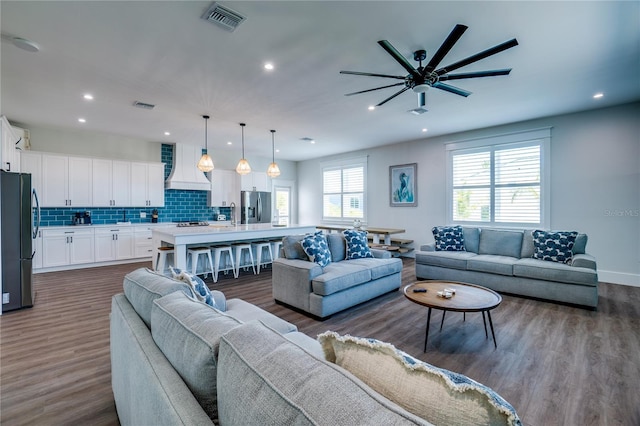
x,y
179,205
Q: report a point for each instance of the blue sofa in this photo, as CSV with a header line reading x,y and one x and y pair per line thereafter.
x,y
502,261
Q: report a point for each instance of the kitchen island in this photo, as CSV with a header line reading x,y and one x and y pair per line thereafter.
x,y
181,237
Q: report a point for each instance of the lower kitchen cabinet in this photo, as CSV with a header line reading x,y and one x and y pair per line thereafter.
x,y
142,242
113,244
61,247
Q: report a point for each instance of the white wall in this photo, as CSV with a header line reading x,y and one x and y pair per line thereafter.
x,y
595,184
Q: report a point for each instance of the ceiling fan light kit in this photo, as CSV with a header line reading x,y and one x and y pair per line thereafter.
x,y
205,163
243,167
273,170
420,79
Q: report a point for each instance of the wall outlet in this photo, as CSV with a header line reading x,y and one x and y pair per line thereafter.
x,y
143,215
5,298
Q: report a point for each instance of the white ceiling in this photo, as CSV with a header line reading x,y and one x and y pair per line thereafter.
x,y
163,53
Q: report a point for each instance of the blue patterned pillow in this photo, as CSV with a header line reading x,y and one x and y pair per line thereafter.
x,y
317,249
200,290
448,238
554,246
357,244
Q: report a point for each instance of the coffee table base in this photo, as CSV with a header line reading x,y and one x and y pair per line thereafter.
x,y
444,312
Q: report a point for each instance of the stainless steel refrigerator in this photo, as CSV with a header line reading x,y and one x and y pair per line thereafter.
x,y
17,232
255,207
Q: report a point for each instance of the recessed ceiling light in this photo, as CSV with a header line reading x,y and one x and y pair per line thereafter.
x,y
167,133
82,120
229,143
277,150
268,66
424,130
312,141
371,107
88,96
598,95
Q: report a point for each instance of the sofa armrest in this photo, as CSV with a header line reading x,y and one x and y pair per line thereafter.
x,y
428,247
291,281
584,261
380,254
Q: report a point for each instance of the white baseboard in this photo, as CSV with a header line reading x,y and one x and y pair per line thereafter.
x,y
619,278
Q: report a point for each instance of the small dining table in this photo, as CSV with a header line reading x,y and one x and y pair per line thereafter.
x,y
384,233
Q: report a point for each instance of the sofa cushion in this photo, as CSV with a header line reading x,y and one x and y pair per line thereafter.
x,y
244,312
471,238
502,243
337,246
188,333
199,288
317,249
292,248
444,259
527,244
380,267
492,264
437,395
338,276
357,244
554,271
554,246
143,286
580,246
448,238
265,379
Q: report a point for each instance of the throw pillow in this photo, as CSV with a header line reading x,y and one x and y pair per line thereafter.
x,y
448,238
554,246
437,395
357,244
317,249
200,289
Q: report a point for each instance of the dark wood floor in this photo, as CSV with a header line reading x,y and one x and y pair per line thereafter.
x,y
557,364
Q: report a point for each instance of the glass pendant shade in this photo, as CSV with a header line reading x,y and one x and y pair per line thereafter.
x,y
243,166
205,163
273,170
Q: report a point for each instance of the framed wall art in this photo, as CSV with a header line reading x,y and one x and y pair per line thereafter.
x,y
403,185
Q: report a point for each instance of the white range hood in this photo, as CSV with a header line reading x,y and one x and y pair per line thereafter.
x,y
185,173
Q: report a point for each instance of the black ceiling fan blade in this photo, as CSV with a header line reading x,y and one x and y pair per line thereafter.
x,y
451,89
392,96
478,56
371,90
399,58
476,74
368,74
446,46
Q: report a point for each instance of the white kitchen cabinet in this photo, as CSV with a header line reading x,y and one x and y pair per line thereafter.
x,y
113,243
111,183
31,162
255,181
9,155
225,188
61,247
66,181
147,184
142,241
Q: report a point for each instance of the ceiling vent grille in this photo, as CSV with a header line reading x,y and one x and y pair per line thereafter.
x,y
223,17
143,105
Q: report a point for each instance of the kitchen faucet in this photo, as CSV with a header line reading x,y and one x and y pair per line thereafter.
x,y
232,206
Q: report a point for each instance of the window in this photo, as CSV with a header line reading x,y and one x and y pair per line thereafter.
x,y
282,205
343,190
500,180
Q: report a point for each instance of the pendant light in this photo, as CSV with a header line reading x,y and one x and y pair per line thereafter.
x,y
273,170
205,163
243,166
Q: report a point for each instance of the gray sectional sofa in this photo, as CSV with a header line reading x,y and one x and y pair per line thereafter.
x,y
178,361
305,285
502,260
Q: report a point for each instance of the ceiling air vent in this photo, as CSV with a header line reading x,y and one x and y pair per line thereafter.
x,y
223,16
143,105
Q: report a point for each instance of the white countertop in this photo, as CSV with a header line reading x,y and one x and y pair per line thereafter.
x,y
214,229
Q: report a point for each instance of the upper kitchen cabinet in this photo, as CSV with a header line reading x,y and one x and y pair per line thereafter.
x,y
66,181
147,184
31,162
255,181
9,155
225,188
111,183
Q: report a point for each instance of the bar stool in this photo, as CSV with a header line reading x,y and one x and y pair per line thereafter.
x,y
276,245
239,248
161,259
259,247
218,251
194,254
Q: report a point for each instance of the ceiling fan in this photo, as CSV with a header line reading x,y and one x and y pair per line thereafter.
x,y
422,78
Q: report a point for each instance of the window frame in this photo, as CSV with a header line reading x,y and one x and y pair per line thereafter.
x,y
541,137
342,164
